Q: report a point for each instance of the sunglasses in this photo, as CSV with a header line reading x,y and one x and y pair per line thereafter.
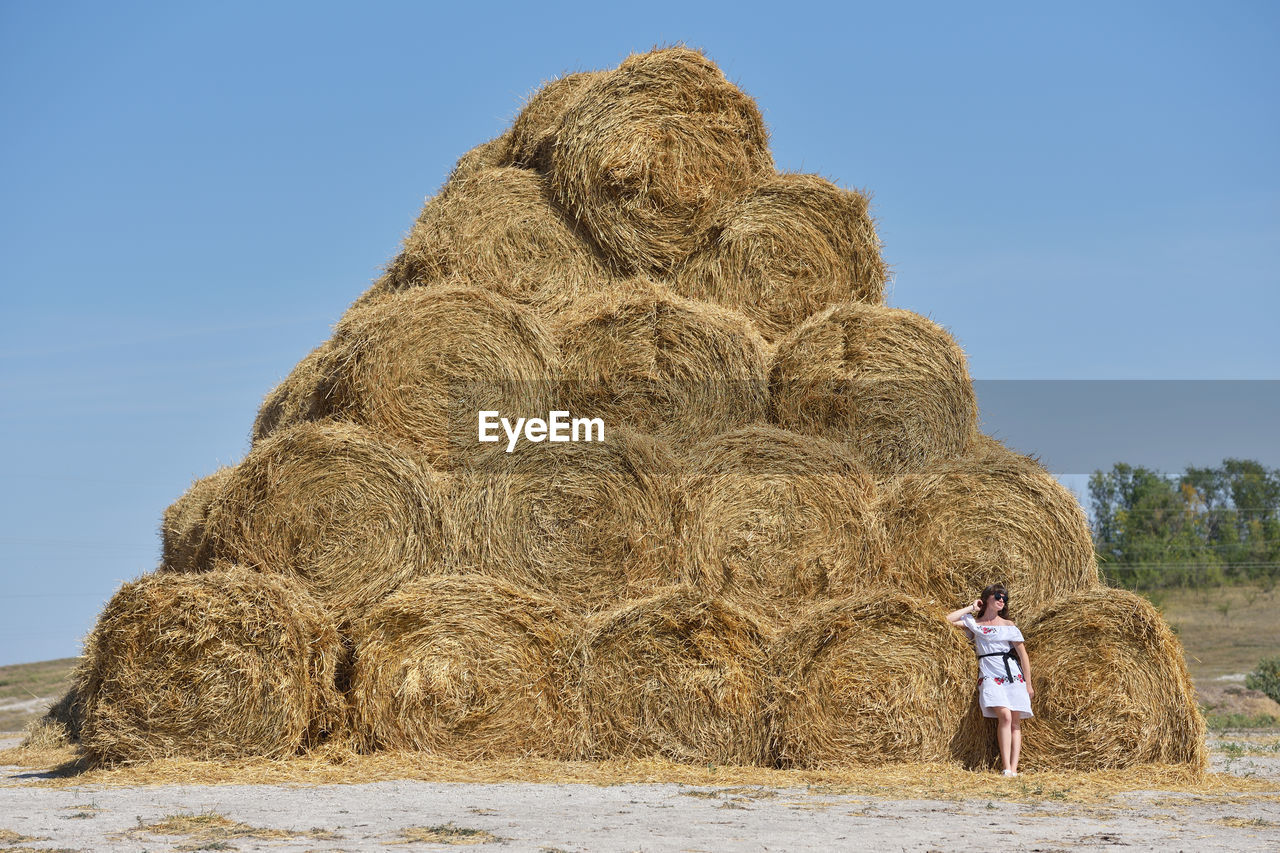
x,y
1000,596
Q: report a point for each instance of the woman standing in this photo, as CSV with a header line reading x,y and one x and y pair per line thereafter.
x,y
1004,672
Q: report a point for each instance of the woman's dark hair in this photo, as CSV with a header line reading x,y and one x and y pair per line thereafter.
x,y
990,591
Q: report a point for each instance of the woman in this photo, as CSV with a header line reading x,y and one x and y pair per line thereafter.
x,y
1004,672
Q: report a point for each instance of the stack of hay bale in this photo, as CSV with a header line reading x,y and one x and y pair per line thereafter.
x,y
750,568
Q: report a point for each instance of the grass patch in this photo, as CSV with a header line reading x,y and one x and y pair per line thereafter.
x,y
1224,630
1233,722
28,689
9,836
205,831
1247,822
445,833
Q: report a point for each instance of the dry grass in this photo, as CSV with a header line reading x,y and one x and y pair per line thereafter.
x,y
222,664
675,675
445,833
795,246
588,523
533,132
1225,630
642,357
182,528
872,679
9,837
204,827
497,230
332,504
989,516
495,153
29,689
464,666
889,382
299,397
646,155
771,517
418,365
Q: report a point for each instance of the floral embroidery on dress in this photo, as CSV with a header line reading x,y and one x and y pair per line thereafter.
x,y
987,630
999,680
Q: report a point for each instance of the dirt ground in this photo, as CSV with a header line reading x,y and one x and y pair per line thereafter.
x,y
524,816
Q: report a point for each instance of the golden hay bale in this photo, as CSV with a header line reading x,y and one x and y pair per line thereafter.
x,y
182,527
646,154
534,130
873,678
297,398
1112,688
65,718
497,230
465,666
643,357
794,246
770,516
487,155
988,516
349,514
588,523
221,664
888,381
418,366
676,675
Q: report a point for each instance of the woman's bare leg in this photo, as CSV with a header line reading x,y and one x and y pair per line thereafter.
x,y
1015,747
1004,735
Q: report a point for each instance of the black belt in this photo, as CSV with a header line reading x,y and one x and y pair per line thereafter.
x,y
1010,655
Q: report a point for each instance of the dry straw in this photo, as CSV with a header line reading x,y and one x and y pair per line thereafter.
x,y
182,527
656,362
419,365
588,523
464,666
988,516
221,664
350,515
1112,688
676,675
889,382
487,155
646,155
496,229
770,517
298,398
796,245
878,677
534,130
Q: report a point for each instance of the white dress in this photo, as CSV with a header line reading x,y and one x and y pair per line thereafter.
x,y
1000,681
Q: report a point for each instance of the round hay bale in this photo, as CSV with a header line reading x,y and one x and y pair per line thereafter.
x,y
873,678
1112,688
497,230
677,676
418,366
487,155
588,523
534,130
182,527
645,156
888,381
989,516
223,664
643,357
769,517
794,246
465,666
296,399
353,517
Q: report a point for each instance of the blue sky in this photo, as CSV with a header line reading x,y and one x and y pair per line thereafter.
x,y
193,193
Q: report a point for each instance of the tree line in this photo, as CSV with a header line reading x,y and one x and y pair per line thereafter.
x,y
1203,527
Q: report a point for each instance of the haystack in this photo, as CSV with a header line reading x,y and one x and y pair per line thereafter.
x,y
643,357
464,666
350,515
299,397
1112,688
418,366
496,229
588,523
487,155
647,154
887,381
182,527
676,675
769,516
988,516
873,678
534,130
222,664
796,245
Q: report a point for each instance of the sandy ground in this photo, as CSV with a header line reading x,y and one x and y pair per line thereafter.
x,y
568,817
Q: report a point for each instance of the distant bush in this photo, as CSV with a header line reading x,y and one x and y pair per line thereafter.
x,y
1232,722
1266,678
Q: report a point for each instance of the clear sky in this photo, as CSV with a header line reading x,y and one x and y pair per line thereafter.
x,y
194,192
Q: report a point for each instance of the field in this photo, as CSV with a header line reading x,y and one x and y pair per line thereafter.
x,y
27,690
